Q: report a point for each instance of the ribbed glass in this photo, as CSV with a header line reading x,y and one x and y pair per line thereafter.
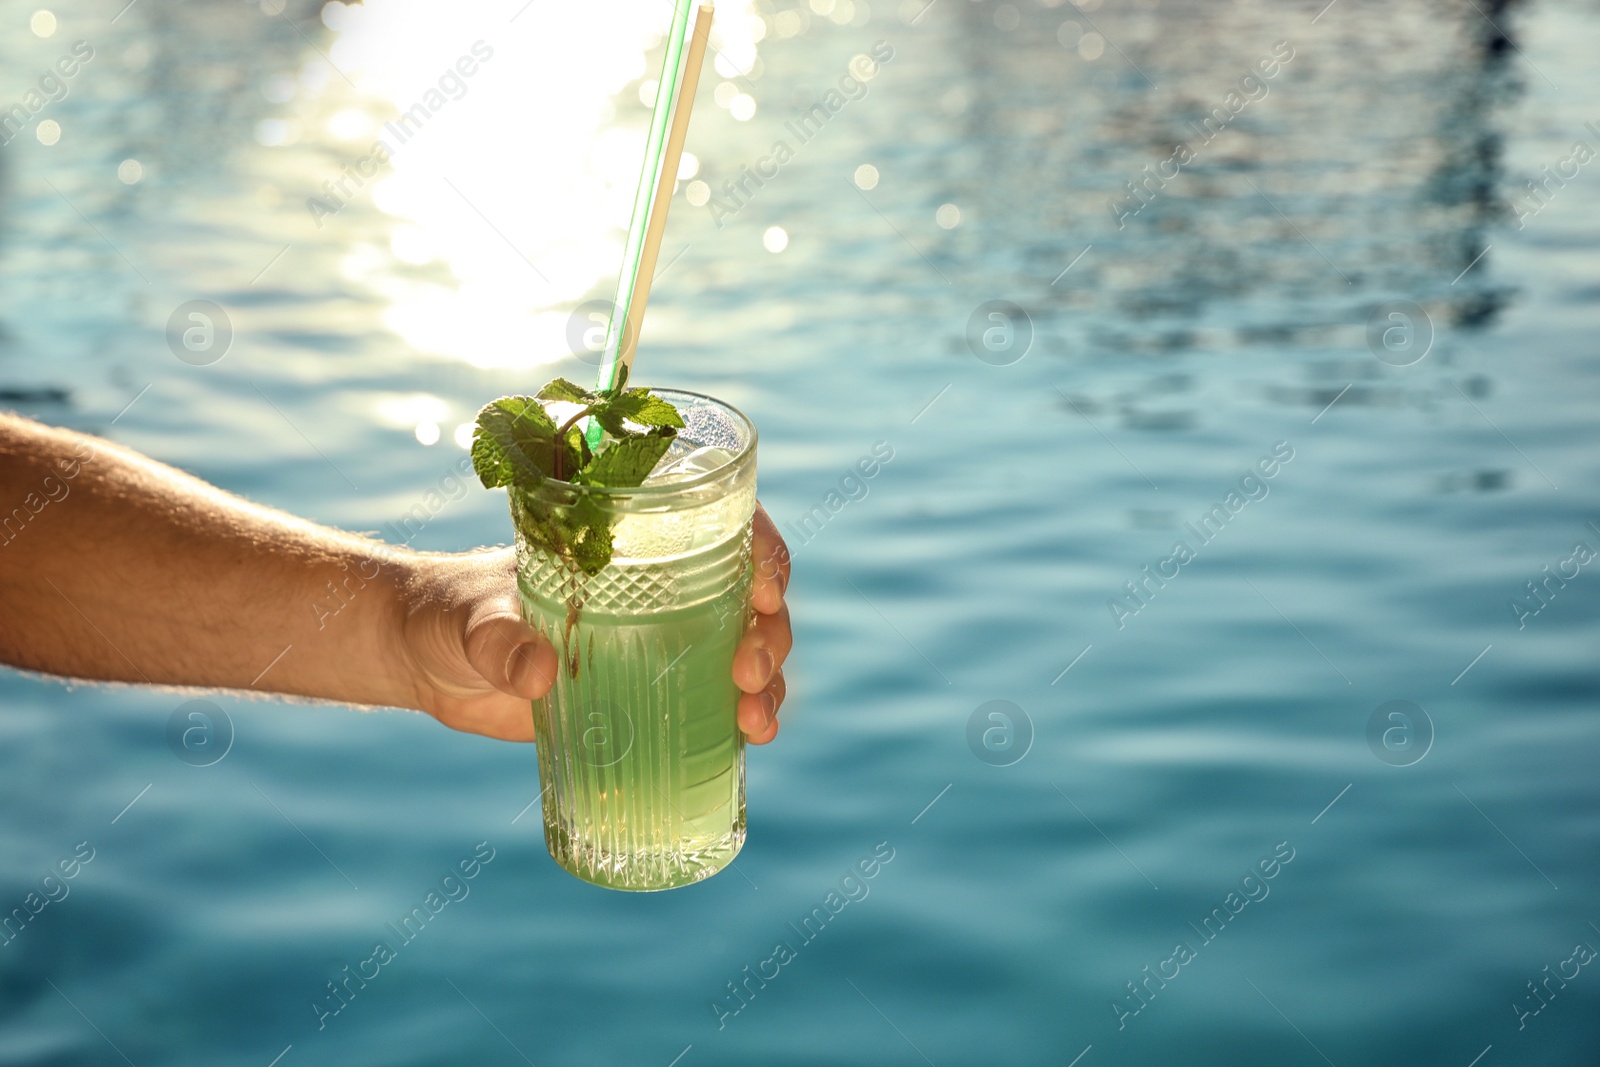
x,y
641,761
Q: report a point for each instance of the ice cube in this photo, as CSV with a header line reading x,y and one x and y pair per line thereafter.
x,y
700,461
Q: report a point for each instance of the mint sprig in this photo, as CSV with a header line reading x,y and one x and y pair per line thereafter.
x,y
517,444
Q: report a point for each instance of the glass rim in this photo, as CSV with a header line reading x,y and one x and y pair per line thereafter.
x,y
650,492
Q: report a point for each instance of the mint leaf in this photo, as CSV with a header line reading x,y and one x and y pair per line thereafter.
x,y
518,445
561,389
575,450
490,461
626,463
639,406
614,410
610,421
511,444
593,551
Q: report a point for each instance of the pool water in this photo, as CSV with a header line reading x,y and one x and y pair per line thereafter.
x,y
1171,690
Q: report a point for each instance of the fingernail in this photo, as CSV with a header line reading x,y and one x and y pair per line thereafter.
x,y
769,706
768,664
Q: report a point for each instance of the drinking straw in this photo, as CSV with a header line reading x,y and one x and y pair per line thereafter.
x,y
683,103
674,100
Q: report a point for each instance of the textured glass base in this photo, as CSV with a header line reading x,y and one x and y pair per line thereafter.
x,y
643,872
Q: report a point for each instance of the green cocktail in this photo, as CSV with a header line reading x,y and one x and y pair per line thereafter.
x,y
640,756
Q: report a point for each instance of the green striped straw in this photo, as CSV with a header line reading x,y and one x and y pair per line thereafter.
x,y
649,176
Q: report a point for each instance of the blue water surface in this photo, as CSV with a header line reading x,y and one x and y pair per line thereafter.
x,y
1192,830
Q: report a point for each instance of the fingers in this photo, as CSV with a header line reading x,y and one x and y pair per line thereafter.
x,y
758,662
762,651
510,655
758,712
771,556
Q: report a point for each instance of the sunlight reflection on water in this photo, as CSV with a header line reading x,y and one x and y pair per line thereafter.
x,y
510,201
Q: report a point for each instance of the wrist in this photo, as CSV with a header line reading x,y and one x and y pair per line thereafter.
x,y
402,584
353,651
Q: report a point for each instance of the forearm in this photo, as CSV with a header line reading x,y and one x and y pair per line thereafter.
x,y
115,567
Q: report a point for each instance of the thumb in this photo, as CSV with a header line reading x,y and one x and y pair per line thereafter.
x,y
510,655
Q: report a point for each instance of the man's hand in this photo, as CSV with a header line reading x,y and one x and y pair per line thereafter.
x,y
114,567
473,664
